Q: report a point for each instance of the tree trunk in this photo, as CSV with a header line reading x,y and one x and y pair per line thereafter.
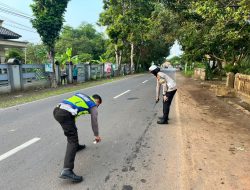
x,y
116,54
138,61
118,58
53,81
119,61
132,66
220,70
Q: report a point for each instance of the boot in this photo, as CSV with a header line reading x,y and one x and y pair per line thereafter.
x,y
162,118
81,147
70,175
162,121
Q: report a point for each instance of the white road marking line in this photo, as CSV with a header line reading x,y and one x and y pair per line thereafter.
x,y
121,94
145,81
12,130
17,149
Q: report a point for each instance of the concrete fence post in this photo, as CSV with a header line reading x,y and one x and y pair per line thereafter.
x,y
236,81
87,72
22,80
230,80
70,74
15,77
57,74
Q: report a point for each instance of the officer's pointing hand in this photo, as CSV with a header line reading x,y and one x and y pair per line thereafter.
x,y
97,139
157,100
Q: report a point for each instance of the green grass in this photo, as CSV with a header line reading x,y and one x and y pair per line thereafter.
x,y
8,100
189,73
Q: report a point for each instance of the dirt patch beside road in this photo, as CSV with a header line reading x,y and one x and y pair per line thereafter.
x,y
216,139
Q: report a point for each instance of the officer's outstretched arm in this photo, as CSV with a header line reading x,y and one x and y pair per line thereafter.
x,y
158,89
94,121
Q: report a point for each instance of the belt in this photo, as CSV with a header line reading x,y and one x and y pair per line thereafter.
x,y
68,108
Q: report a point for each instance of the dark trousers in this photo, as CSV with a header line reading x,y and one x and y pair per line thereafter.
x,y
67,121
63,79
166,104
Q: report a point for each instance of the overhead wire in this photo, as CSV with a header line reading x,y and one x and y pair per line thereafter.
x,y
14,13
14,22
20,28
9,7
6,9
10,10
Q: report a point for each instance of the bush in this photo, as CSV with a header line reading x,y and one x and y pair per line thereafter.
x,y
243,67
231,68
209,72
247,71
200,65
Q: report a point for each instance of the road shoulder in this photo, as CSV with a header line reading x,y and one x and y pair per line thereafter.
x,y
215,137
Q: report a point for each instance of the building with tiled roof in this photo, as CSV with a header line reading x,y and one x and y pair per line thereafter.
x,y
8,34
7,41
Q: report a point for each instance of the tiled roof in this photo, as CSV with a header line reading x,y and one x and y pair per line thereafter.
x,y
8,34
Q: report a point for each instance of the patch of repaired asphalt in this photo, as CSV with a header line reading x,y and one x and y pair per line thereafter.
x,y
107,178
133,98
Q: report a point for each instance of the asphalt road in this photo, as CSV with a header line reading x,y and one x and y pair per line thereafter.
x,y
135,152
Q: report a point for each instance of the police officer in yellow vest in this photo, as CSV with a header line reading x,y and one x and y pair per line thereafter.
x,y
65,113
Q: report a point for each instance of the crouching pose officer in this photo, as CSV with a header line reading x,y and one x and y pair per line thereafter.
x,y
169,90
65,113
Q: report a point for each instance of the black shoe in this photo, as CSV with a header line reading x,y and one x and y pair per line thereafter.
x,y
69,174
160,118
162,121
81,147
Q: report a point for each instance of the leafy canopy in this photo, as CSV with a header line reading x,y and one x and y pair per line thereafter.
x,y
48,19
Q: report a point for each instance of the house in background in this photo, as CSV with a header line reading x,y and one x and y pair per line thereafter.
x,y
7,41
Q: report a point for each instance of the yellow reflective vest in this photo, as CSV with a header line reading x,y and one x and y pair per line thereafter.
x,y
81,102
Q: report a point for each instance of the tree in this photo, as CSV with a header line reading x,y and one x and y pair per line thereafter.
x,y
130,26
109,54
175,60
15,53
210,28
135,22
67,58
36,53
111,17
227,40
84,40
48,21
85,57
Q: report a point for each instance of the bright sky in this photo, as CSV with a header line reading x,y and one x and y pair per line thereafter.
x,y
175,50
78,11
